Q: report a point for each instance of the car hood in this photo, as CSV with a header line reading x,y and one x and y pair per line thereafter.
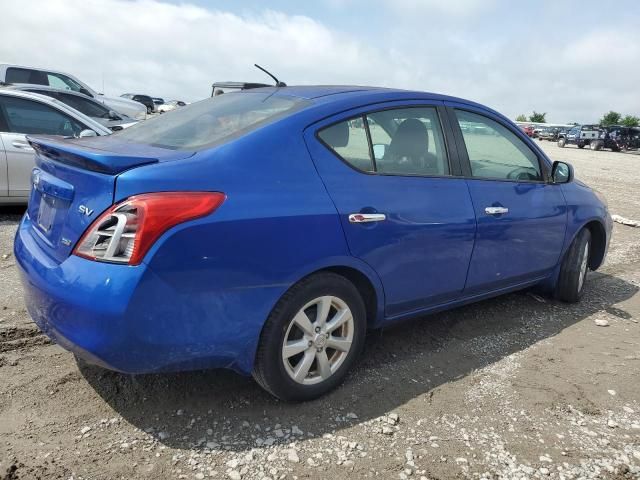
x,y
123,105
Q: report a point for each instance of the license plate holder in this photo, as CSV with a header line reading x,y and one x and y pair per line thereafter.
x,y
46,213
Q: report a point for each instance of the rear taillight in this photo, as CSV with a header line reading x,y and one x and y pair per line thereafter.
x,y
125,232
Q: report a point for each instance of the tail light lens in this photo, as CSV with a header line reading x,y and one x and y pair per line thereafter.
x,y
125,232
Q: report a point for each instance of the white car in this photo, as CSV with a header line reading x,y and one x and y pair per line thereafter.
x,y
170,105
39,76
26,113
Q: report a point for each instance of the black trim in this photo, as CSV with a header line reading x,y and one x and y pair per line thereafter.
x,y
436,107
464,155
365,122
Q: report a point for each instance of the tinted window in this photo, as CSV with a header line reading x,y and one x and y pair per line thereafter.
x,y
496,152
212,120
84,105
408,141
348,139
26,75
30,117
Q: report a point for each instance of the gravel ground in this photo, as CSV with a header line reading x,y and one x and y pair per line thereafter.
x,y
515,387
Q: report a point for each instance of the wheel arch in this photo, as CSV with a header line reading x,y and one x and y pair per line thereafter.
x,y
598,243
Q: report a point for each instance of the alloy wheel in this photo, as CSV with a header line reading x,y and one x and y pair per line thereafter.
x,y
318,340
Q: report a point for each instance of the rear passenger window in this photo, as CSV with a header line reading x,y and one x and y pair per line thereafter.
x,y
348,139
408,141
403,141
496,152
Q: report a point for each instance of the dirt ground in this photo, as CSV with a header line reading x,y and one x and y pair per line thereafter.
x,y
517,387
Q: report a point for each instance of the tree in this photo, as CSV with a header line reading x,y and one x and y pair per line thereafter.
x,y
630,121
538,117
521,118
611,118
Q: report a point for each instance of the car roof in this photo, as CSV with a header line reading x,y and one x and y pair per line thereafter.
x,y
33,86
353,96
57,104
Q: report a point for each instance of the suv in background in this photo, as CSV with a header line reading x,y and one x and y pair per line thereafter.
x,y
145,100
617,138
38,76
581,136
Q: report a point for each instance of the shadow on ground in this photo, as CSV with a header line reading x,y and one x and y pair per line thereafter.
x,y
398,365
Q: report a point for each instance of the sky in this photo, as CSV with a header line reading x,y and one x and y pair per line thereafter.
x,y
574,61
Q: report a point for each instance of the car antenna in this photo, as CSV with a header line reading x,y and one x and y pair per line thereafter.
x,y
278,82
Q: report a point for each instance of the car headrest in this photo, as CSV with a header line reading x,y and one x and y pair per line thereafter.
x,y
336,135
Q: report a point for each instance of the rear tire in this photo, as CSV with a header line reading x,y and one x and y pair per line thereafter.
x,y
296,360
562,142
574,269
581,145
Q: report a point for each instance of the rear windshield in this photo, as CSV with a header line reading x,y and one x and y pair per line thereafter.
x,y
211,121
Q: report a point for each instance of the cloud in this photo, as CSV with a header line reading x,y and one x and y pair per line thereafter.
x,y
178,50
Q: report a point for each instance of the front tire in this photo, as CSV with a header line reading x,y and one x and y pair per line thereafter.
x,y
311,339
574,269
562,142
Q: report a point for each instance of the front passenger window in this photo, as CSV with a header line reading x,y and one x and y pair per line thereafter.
x,y
495,152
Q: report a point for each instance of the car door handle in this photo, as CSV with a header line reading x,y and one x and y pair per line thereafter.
x,y
22,145
496,210
366,217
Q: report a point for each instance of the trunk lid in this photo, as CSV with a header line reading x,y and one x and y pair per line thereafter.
x,y
74,182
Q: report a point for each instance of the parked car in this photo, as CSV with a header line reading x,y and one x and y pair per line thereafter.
x,y
114,121
549,133
579,135
157,101
145,100
261,231
218,88
23,113
617,138
38,76
528,130
171,105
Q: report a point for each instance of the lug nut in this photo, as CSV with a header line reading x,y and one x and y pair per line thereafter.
x,y
317,329
310,343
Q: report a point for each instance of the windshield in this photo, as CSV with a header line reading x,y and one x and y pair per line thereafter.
x,y
211,121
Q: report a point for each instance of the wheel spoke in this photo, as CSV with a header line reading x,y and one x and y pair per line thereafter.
x,y
322,361
338,343
302,320
295,347
338,320
323,311
302,369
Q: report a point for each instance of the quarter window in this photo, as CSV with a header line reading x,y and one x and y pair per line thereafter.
x,y
349,140
496,152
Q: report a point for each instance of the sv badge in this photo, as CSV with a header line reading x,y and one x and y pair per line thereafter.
x,y
85,210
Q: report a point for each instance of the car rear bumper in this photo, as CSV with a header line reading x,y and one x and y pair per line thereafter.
x,y
126,318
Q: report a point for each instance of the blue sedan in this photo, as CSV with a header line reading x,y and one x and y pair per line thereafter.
x,y
267,230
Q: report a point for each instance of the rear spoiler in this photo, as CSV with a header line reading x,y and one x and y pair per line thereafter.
x,y
85,157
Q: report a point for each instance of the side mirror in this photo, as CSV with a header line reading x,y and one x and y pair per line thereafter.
x,y
114,115
378,150
561,172
87,133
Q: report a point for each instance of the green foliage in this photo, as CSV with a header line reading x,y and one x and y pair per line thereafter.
x,y
521,118
538,117
630,121
611,118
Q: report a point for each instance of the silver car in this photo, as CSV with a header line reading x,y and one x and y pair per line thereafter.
x,y
114,121
26,113
51,78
